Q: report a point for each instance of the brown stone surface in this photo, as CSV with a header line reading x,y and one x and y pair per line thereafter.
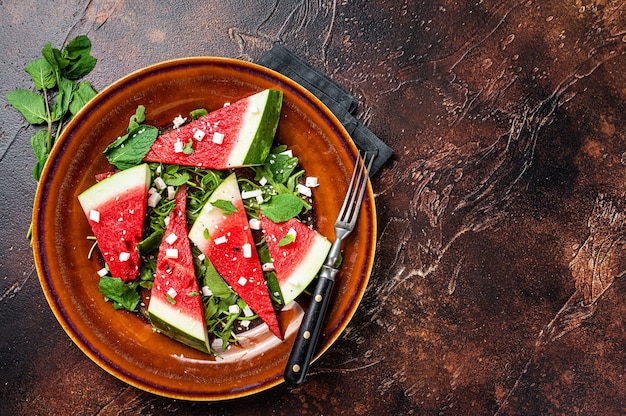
x,y
497,285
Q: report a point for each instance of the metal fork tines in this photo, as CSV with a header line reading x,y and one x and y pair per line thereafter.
x,y
310,328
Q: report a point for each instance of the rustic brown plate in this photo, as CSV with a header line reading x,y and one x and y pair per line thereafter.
x,y
122,343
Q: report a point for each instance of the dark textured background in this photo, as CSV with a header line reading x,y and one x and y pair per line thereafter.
x,y
497,285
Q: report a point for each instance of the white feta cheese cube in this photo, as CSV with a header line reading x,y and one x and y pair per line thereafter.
x,y
206,291
159,183
94,215
242,281
171,253
178,146
267,267
124,256
171,239
218,138
220,240
304,190
171,192
255,224
178,121
199,135
103,272
234,309
172,292
311,181
247,250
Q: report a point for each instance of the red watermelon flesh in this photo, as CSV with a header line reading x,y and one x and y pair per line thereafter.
x,y
176,307
230,248
116,210
236,135
296,263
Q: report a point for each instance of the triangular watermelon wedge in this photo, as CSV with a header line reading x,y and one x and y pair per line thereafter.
x,y
236,135
225,238
116,210
297,251
175,307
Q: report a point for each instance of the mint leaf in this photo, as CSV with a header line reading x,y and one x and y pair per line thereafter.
x,y
280,166
38,142
282,207
81,96
196,114
77,52
123,296
42,74
30,104
54,57
286,240
63,99
214,281
130,150
226,206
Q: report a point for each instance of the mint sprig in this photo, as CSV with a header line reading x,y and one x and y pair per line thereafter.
x,y
58,95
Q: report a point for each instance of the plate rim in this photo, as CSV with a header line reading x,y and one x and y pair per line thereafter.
x,y
39,254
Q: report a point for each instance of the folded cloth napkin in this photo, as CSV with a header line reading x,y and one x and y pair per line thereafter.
x,y
338,100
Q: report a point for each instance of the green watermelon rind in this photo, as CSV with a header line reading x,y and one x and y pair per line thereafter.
x,y
261,142
303,274
180,327
114,185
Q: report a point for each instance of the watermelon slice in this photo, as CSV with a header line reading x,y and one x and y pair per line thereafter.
x,y
230,248
116,210
298,258
175,307
240,134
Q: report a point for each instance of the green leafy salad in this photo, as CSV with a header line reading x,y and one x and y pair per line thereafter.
x,y
275,185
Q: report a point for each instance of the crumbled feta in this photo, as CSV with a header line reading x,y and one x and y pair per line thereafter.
x,y
206,291
170,239
247,312
159,183
234,309
251,194
263,181
199,135
288,153
166,221
242,281
124,256
94,215
311,181
247,250
171,192
226,104
172,292
103,272
292,232
201,256
304,190
268,267
171,253
218,138
220,240
179,121
245,324
255,224
154,197
178,146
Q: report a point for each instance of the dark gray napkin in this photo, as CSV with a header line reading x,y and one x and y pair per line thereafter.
x,y
337,99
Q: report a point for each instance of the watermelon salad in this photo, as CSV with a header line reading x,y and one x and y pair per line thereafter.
x,y
205,227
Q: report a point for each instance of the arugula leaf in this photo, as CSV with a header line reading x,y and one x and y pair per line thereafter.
x,y
196,114
30,104
282,207
226,206
123,296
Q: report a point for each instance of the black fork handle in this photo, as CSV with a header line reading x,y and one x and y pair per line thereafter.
x,y
306,341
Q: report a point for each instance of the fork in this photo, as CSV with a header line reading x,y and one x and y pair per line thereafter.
x,y
309,332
